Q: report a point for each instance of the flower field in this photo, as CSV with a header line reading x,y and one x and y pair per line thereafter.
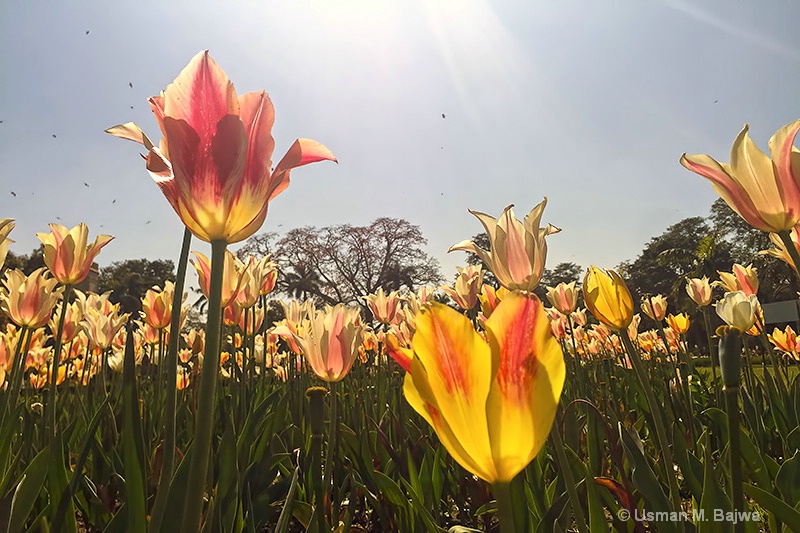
x,y
475,406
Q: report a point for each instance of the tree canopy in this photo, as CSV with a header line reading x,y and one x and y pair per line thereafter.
x,y
341,263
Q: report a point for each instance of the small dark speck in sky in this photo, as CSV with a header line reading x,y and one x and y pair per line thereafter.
x,y
13,193
715,101
85,184
114,201
442,115
87,32
54,136
131,84
149,221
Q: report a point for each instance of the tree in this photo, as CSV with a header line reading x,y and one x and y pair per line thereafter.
x,y
130,279
777,281
689,248
344,262
26,263
564,272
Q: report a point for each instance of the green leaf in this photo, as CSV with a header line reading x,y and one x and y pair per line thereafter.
x,y
28,491
713,496
286,514
776,506
788,480
133,444
389,489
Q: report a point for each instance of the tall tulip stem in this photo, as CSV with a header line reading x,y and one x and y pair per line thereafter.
x,y
206,403
730,353
505,508
655,412
51,399
171,363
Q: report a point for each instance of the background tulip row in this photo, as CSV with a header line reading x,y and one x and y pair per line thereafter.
x,y
476,409
381,465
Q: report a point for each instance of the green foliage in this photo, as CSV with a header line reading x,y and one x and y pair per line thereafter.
x,y
130,280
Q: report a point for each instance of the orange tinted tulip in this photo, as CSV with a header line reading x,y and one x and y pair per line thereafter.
x,y
66,254
29,300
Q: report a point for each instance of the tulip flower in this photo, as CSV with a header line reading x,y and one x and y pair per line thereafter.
x,y
678,323
785,341
518,249
66,254
382,306
655,307
235,274
780,251
699,290
157,305
330,343
467,286
563,297
214,163
764,192
492,404
738,310
608,298
742,278
6,225
29,300
579,316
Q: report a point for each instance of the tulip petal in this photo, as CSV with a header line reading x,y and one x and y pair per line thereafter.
x,y
726,187
422,399
529,371
787,162
458,372
302,152
131,132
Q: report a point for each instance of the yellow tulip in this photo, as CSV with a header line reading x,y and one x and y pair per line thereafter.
x,y
608,298
493,403
678,323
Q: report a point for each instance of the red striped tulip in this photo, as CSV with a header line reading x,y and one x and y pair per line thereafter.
x,y
766,193
492,403
214,163
563,297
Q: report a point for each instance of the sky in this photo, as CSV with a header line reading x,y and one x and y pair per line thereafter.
x,y
432,107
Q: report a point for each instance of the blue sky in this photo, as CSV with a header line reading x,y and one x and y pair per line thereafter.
x,y
588,103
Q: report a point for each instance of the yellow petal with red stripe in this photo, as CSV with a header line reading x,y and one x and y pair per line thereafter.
x,y
457,364
529,372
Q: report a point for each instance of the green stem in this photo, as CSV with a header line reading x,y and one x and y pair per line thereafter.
x,y
655,412
168,452
18,371
316,401
566,472
786,238
730,353
204,416
51,417
505,508
707,323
